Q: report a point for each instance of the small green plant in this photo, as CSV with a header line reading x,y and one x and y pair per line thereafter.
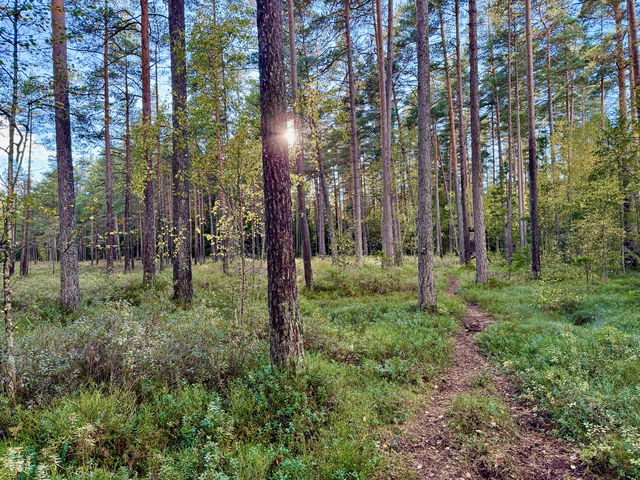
x,y
481,425
482,380
476,414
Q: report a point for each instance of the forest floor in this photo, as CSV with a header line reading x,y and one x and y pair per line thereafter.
x,y
472,426
132,386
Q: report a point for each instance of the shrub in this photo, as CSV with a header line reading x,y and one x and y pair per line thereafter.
x,y
277,407
83,428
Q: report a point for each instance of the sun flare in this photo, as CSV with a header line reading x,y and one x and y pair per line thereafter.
x,y
291,133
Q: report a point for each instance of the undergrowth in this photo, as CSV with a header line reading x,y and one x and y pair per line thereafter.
x,y
132,386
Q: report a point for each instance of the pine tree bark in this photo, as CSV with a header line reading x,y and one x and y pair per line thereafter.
x,y
464,176
285,324
13,150
322,178
26,230
395,214
436,189
633,53
149,226
620,59
550,123
426,278
224,252
224,248
498,130
522,222
533,161
128,244
181,255
69,284
320,233
354,144
7,240
482,264
453,148
508,222
385,144
161,220
303,222
108,182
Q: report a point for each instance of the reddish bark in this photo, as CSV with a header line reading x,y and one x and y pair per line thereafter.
x,y
285,325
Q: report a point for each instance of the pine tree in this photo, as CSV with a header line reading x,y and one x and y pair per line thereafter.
x,y
482,265
182,283
426,279
285,324
69,284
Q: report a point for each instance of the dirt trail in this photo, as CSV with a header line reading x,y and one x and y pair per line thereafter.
x,y
532,453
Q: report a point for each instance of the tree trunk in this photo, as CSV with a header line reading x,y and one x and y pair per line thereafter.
x,y
482,265
149,227
224,251
181,257
322,244
212,231
335,177
128,244
633,53
426,278
395,214
108,177
69,286
464,176
285,324
520,167
13,150
436,189
161,220
8,238
496,99
552,153
322,177
354,145
298,148
508,232
620,58
26,244
452,141
385,143
533,161
223,248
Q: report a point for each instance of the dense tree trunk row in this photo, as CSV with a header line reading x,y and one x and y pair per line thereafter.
x,y
352,193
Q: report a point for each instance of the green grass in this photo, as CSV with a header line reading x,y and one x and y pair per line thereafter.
x,y
132,386
575,349
480,425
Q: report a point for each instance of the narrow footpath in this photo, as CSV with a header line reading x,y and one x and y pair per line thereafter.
x,y
527,450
